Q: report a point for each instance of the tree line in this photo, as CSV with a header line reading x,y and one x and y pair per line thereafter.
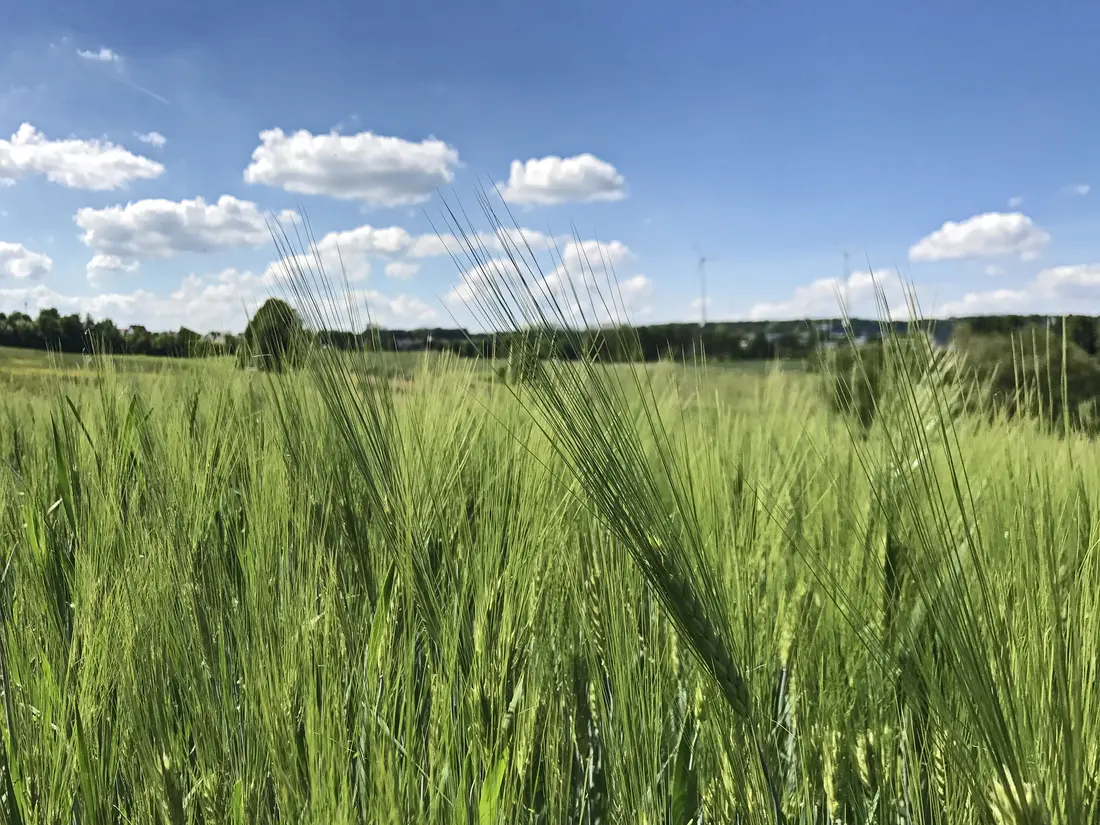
x,y
72,333
276,323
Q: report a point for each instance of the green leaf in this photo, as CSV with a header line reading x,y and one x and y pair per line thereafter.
x,y
488,808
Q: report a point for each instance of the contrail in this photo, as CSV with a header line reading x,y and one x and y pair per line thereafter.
x,y
140,88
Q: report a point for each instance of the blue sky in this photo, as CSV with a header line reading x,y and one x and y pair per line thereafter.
x,y
955,143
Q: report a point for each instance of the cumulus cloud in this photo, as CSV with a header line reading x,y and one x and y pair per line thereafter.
x,y
375,169
16,261
992,234
634,292
626,302
1071,282
104,55
584,264
400,311
347,253
370,240
987,302
158,228
402,270
554,180
152,138
825,296
97,165
635,287
100,265
350,251
1055,290
1077,189
1016,201
592,258
221,302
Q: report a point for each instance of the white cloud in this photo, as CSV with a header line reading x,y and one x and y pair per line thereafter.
x,y
825,296
401,270
637,286
400,311
519,240
586,264
221,302
1071,282
986,303
104,55
1016,201
475,280
634,293
626,303
97,165
349,250
697,303
100,265
1076,189
375,169
994,270
991,234
152,138
1056,290
369,240
554,180
16,261
332,266
158,228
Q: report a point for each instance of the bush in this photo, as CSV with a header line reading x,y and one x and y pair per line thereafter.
x,y
856,380
273,339
1026,375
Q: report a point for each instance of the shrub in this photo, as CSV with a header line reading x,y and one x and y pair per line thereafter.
x,y
273,339
1034,375
856,380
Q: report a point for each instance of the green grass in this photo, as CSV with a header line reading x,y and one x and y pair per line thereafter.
x,y
605,594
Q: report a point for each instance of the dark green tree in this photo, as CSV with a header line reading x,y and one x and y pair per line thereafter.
x,y
273,338
1082,330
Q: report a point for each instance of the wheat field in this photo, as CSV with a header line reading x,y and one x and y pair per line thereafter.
x,y
608,594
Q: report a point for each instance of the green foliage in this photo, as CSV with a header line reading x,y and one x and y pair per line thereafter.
x,y
73,334
274,338
851,379
858,380
1035,374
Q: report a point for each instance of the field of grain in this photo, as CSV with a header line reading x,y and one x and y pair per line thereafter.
x,y
671,595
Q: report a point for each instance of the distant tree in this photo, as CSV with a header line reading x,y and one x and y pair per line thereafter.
x,y
49,327
1021,375
1082,330
104,336
187,343
138,340
72,334
273,338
